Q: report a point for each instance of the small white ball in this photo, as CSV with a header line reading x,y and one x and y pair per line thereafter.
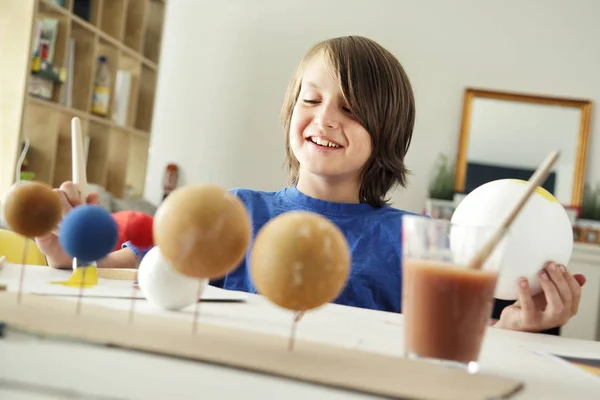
x,y
163,286
541,232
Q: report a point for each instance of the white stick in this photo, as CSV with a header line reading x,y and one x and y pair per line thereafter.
x,y
78,164
537,179
79,174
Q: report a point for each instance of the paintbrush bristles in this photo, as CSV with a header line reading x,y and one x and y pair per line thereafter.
x,y
536,180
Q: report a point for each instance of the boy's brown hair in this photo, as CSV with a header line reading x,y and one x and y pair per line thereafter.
x,y
378,92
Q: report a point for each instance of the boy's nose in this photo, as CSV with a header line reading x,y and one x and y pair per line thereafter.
x,y
326,119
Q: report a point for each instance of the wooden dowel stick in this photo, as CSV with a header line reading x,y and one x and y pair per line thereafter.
x,y
197,307
297,317
81,290
132,305
22,275
536,180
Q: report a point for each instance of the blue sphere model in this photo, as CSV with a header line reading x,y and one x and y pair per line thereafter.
x,y
88,233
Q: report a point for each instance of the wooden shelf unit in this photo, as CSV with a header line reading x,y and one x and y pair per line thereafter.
x,y
128,33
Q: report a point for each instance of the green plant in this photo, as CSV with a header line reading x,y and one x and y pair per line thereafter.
x,y
590,205
441,185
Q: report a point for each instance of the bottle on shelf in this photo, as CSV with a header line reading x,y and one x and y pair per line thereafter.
x,y
101,94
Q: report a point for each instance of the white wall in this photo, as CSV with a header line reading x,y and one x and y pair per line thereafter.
x,y
225,66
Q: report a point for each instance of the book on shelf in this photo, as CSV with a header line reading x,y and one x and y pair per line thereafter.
x,y
45,32
67,93
122,93
44,74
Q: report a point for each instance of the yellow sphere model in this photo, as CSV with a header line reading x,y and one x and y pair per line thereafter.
x,y
300,261
541,232
203,231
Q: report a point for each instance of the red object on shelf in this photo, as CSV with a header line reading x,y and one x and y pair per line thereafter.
x,y
170,179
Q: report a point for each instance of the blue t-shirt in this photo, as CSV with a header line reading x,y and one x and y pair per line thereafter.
x,y
373,235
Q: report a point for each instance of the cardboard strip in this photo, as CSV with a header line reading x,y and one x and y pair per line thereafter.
x,y
344,368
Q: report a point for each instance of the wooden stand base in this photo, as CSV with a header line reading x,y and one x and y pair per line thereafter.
x,y
317,363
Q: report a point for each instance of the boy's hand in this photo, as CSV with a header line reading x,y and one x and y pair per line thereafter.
x,y
551,308
49,244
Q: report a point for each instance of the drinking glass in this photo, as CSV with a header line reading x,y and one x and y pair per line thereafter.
x,y
446,305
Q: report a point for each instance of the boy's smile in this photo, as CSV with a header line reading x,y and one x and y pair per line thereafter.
x,y
323,143
325,137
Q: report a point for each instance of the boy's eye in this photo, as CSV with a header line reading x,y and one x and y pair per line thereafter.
x,y
348,111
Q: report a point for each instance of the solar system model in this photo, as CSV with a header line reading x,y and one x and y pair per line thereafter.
x,y
298,260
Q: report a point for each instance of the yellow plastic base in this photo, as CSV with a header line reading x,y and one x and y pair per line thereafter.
x,y
85,277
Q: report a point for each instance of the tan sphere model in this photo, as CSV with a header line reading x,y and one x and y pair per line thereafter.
x,y
300,261
202,230
32,209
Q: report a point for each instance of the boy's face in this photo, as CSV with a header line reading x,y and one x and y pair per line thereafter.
x,y
324,135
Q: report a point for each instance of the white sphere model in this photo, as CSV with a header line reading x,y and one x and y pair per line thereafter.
x,y
163,286
541,232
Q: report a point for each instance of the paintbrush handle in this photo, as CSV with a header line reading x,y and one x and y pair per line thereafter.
x,y
536,180
79,173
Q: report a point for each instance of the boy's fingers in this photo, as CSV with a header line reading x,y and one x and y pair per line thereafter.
x,y
555,306
580,279
64,202
525,300
92,198
575,290
555,272
71,192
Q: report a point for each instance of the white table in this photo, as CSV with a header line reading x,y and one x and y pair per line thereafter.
x,y
114,373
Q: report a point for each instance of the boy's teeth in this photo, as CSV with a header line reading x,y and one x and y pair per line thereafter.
x,y
323,142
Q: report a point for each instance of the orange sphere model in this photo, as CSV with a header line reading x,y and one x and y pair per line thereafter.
x,y
300,261
202,230
32,209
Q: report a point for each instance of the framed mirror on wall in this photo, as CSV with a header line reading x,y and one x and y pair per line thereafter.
x,y
507,135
